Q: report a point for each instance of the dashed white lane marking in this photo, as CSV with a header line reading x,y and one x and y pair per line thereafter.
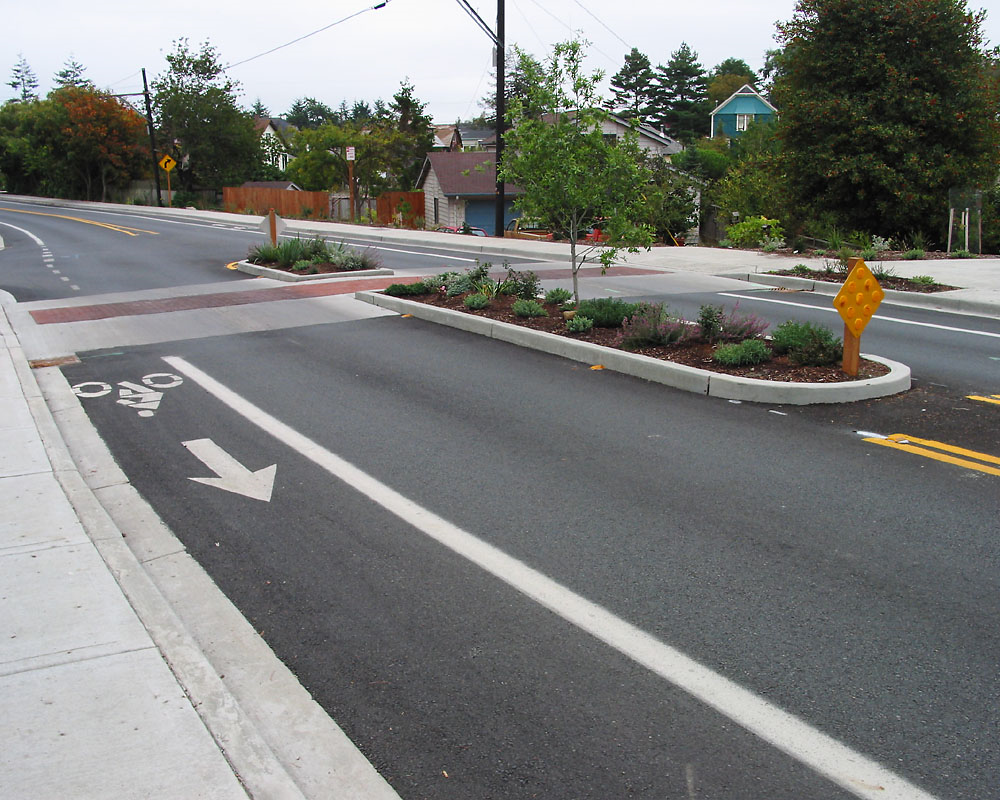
x,y
877,316
859,775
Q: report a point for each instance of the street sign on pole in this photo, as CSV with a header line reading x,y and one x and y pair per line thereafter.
x,y
167,164
350,153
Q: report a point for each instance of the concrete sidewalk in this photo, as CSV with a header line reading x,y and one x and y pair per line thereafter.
x,y
91,709
124,671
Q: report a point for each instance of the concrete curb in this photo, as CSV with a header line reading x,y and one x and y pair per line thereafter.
x,y
678,376
281,275
937,301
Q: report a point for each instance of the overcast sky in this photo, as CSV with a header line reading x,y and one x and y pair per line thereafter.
x,y
432,42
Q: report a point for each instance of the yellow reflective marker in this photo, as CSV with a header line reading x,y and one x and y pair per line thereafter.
x,y
994,398
407,316
941,451
859,297
232,265
598,366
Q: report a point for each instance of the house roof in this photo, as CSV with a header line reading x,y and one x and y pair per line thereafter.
x,y
745,100
465,174
272,185
282,128
644,131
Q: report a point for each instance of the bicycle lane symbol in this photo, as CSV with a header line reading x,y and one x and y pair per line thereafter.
x,y
143,398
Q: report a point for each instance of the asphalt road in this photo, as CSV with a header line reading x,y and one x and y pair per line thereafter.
x,y
849,585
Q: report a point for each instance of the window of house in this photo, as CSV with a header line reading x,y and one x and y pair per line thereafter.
x,y
742,121
437,213
610,138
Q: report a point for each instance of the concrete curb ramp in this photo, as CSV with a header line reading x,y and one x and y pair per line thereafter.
x,y
281,275
678,376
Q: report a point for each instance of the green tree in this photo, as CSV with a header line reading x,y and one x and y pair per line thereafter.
x,y
407,115
681,96
570,173
23,80
755,184
201,123
885,105
308,112
632,86
258,109
670,208
728,77
522,71
72,75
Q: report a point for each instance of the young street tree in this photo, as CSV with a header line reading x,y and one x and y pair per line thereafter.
x,y
570,173
885,106
201,123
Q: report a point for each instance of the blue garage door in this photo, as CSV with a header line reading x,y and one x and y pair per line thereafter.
x,y
482,214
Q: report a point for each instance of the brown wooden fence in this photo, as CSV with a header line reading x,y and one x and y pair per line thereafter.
x,y
314,205
401,207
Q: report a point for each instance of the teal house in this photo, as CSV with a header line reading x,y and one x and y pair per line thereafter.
x,y
731,117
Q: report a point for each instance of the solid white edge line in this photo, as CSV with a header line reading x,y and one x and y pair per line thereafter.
x,y
877,316
849,769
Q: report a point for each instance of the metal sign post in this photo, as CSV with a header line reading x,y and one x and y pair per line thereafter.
x,y
349,154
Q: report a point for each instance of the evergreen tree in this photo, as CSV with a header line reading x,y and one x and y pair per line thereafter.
x,y
633,87
258,109
886,105
72,75
308,112
681,96
23,80
522,72
408,116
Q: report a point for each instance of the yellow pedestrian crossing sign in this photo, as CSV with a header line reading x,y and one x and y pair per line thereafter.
x,y
167,163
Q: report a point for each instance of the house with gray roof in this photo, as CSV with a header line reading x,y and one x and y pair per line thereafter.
x,y
461,188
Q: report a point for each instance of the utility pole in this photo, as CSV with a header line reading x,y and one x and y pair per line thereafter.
x,y
501,52
152,136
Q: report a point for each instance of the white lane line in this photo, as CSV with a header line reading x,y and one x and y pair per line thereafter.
x,y
854,772
29,234
877,316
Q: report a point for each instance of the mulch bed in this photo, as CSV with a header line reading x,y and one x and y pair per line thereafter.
x,y
886,282
693,354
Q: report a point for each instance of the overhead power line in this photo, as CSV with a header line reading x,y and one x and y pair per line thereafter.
x,y
307,35
602,23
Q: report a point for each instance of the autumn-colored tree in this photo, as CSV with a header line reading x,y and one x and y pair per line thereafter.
x,y
105,142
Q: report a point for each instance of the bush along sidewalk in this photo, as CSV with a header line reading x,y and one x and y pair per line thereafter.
x,y
723,340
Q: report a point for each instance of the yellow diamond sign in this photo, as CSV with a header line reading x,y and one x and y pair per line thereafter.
x,y
167,163
860,296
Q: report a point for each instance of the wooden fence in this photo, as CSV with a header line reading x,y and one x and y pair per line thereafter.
x,y
401,208
312,205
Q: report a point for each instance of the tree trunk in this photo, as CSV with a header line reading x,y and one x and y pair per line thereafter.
x,y
574,269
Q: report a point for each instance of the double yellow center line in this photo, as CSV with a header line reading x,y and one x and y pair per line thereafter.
x,y
939,451
117,228
993,398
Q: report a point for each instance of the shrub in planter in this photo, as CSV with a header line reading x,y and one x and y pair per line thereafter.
x,y
807,344
557,296
476,301
528,308
407,289
579,324
607,312
652,324
752,351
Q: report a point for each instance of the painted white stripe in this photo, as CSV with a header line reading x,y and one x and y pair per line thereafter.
x,y
849,769
29,234
877,316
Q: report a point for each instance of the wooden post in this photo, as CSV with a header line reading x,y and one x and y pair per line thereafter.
x,y
273,223
170,202
852,352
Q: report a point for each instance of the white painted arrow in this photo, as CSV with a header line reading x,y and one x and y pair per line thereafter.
x,y
233,476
